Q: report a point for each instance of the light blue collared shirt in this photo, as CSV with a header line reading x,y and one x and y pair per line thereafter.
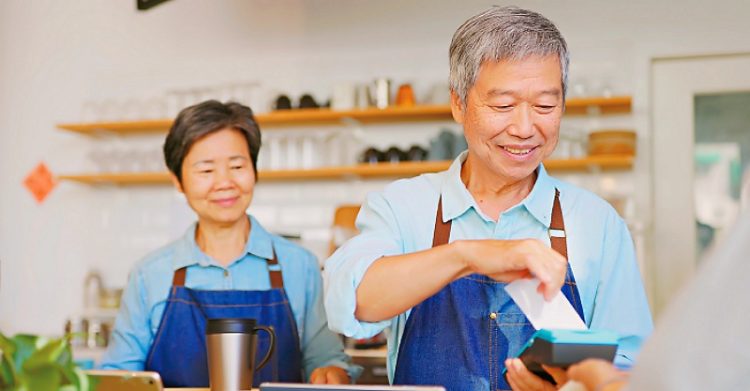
x,y
144,298
401,220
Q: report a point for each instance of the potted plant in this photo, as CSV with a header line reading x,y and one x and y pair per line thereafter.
x,y
34,363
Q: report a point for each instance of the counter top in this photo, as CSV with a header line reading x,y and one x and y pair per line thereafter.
x,y
194,389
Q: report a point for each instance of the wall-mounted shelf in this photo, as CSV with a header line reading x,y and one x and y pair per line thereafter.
x,y
598,105
304,117
360,171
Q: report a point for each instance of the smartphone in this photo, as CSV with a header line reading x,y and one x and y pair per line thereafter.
x,y
105,380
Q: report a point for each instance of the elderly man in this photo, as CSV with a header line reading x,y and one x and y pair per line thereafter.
x,y
435,251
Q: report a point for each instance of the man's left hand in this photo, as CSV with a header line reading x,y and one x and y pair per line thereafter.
x,y
521,379
329,375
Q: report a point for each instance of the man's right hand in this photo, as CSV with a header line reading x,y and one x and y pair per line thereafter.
x,y
396,283
508,260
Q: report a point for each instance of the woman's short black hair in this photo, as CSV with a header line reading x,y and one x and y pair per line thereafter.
x,y
204,118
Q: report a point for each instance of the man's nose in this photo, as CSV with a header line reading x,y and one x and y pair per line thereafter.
x,y
523,122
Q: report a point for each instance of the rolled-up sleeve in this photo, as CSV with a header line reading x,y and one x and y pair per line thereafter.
x,y
621,304
379,236
131,337
320,346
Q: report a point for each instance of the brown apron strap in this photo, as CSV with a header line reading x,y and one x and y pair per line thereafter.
x,y
557,228
442,229
179,277
274,272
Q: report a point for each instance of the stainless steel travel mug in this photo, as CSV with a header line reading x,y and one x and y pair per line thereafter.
x,y
231,344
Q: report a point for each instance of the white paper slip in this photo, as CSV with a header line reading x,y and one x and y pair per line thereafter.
x,y
557,313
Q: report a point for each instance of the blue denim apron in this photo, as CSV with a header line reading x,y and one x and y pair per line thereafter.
x,y
460,337
179,349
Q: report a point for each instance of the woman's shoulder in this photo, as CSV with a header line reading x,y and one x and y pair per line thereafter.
x,y
291,249
287,251
295,259
159,260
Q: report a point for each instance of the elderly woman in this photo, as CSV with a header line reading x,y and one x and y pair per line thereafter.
x,y
435,251
225,266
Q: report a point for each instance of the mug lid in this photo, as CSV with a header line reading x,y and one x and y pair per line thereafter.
x,y
230,325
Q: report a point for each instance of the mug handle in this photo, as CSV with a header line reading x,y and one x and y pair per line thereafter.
x,y
271,347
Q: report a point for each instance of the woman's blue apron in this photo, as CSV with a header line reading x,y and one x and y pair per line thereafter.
x,y
179,349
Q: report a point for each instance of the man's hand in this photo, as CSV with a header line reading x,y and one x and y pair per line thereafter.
x,y
521,379
508,260
329,375
396,283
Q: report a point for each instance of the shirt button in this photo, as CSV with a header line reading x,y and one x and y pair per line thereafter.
x,y
493,315
226,273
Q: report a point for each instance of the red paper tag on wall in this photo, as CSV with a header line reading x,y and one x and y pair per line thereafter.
x,y
40,182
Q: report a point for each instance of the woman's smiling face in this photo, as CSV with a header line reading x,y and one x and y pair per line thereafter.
x,y
218,178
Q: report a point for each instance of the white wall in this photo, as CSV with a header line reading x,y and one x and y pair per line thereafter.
x,y
56,56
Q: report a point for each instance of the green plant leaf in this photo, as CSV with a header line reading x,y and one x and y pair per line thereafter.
x,y
7,345
70,373
84,382
7,368
22,382
74,376
66,357
7,374
26,345
44,378
31,363
46,355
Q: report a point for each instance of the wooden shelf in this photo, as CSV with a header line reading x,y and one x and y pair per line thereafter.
x,y
371,115
303,117
360,171
598,105
120,178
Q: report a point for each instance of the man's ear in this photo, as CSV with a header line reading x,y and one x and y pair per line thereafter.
x,y
457,109
176,182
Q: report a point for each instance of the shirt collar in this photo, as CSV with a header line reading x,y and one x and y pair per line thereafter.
x,y
260,242
187,253
541,198
457,199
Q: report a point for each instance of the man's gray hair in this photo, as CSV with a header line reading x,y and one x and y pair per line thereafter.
x,y
502,33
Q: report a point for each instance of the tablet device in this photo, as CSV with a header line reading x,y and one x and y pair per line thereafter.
x,y
342,387
562,348
105,380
